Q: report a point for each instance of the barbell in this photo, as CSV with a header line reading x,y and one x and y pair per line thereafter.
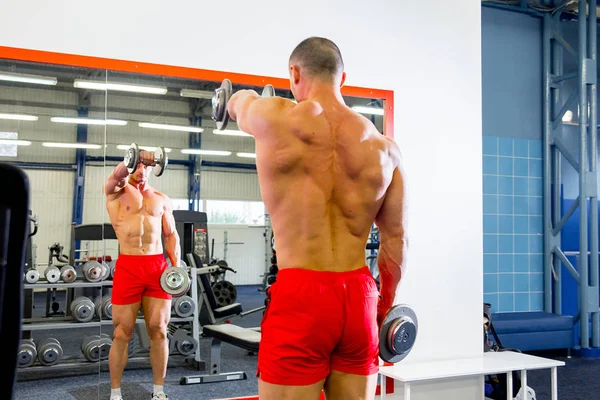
x,y
221,98
132,159
398,333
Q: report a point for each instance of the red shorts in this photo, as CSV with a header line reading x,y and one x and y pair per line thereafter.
x,y
316,322
138,276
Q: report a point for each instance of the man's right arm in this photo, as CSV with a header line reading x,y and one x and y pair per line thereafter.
x,y
393,242
116,180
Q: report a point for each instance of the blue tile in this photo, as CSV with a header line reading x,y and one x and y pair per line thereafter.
x,y
521,301
490,224
521,244
490,283
491,298
506,283
505,224
521,167
535,149
536,205
536,186
522,283
521,186
505,302
521,224
521,205
505,166
490,204
536,244
536,225
505,146
505,185
535,168
521,263
521,147
490,145
536,302
505,244
536,282
490,264
505,205
505,263
490,185
490,165
490,244
536,263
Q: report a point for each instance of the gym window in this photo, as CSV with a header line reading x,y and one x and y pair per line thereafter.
x,y
235,212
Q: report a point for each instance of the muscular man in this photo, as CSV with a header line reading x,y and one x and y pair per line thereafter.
x,y
139,214
326,174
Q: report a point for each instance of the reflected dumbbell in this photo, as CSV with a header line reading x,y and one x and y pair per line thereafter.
x,y
52,273
32,276
49,351
175,281
105,271
183,306
27,353
112,265
82,309
68,274
398,333
92,271
90,347
103,306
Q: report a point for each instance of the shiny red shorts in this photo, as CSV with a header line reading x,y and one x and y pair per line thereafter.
x,y
138,276
316,322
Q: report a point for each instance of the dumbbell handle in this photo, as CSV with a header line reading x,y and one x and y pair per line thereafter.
x,y
148,158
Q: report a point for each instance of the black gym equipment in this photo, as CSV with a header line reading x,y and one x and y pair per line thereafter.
x,y
14,230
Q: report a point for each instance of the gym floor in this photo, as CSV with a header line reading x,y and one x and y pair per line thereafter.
x,y
576,381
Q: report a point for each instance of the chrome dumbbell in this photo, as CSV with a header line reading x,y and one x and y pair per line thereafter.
x,y
103,306
32,276
27,353
52,273
49,351
82,309
92,271
183,306
68,274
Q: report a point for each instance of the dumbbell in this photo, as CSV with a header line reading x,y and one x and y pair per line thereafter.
x,y
32,276
103,306
49,351
52,273
112,265
221,97
27,353
183,306
105,271
92,271
132,159
105,344
181,341
68,274
398,333
175,281
82,309
90,347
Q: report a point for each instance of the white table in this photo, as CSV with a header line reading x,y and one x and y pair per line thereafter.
x,y
487,364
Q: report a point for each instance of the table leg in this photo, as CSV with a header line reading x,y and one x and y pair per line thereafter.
x,y
407,391
382,387
554,383
509,385
524,383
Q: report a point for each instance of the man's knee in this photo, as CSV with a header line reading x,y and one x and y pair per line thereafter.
x,y
123,332
157,330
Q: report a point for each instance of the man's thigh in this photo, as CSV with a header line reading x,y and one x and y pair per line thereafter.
x,y
270,391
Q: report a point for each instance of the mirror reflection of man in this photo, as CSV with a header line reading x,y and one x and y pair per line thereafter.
x,y
139,214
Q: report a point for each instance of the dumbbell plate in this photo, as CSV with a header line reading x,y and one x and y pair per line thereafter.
x,y
160,155
268,91
398,333
219,104
175,281
132,157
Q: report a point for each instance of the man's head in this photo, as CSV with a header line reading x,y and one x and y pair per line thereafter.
x,y
141,174
315,61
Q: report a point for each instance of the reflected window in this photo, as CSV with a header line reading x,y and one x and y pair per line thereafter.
x,y
235,212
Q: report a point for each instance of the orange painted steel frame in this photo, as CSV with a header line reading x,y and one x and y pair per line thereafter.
x,y
47,57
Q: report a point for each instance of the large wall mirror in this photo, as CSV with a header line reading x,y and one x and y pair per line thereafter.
x,y
68,122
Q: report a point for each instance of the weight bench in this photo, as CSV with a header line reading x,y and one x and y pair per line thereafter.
x,y
244,338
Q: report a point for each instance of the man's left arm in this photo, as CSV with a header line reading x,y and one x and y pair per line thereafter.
x,y
170,233
255,114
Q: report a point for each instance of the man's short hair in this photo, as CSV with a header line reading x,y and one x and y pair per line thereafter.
x,y
319,57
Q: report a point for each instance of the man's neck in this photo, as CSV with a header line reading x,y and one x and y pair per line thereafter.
x,y
141,186
322,92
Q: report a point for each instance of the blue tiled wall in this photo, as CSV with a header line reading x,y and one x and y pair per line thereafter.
x,y
512,224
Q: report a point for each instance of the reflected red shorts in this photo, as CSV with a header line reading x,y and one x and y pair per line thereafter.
x,y
316,322
138,276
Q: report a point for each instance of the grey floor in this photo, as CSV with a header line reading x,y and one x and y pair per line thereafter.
x,y
578,380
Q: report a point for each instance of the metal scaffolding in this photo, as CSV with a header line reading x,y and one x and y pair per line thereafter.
x,y
582,155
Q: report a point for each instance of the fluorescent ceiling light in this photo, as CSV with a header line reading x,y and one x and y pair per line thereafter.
x,y
180,128
147,148
229,132
15,142
206,152
26,78
122,87
19,117
196,94
72,145
368,110
246,155
88,121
